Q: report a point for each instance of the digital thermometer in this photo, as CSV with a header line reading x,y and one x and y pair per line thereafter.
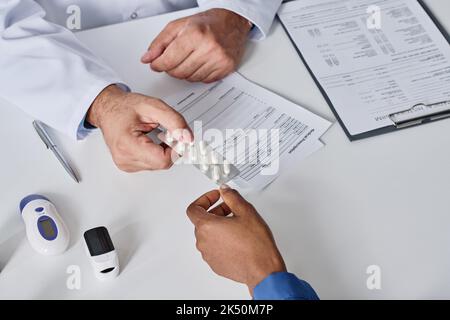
x,y
45,229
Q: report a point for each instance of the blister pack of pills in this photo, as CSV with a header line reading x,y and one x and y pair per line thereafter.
x,y
203,157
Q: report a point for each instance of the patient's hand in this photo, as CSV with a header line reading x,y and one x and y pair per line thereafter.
x,y
125,118
238,247
204,47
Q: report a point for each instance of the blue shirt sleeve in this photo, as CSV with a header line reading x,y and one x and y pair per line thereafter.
x,y
84,129
284,286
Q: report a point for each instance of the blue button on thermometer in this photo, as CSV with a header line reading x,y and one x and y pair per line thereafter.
x,y
45,229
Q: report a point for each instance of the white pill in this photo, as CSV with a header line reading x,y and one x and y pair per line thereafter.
x,y
169,138
180,148
226,167
192,153
202,146
204,163
214,158
216,173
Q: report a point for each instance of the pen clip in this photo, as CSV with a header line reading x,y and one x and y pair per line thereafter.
x,y
42,133
421,113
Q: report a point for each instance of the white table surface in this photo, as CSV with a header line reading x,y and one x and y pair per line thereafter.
x,y
381,201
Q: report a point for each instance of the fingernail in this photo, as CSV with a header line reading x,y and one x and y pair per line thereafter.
x,y
177,134
224,187
146,56
186,136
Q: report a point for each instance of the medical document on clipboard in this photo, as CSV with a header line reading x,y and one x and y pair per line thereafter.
x,y
369,70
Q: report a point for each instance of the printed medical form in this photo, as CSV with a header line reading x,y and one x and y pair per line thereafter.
x,y
239,108
367,72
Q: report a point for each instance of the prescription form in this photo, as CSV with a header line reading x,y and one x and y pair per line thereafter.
x,y
370,69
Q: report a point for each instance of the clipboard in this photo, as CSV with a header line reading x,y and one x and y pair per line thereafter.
x,y
414,115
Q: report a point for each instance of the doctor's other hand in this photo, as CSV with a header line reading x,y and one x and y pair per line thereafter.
x,y
204,47
233,238
125,118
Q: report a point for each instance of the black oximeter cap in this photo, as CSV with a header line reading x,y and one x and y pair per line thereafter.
x,y
98,241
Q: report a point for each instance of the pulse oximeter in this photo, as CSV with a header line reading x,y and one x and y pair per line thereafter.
x,y
101,252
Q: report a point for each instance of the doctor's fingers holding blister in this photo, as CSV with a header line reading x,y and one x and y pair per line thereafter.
x,y
204,47
125,118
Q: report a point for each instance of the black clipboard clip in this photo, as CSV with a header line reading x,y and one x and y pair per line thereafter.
x,y
421,113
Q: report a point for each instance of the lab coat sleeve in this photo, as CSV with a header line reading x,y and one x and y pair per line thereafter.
x,y
260,12
284,286
45,70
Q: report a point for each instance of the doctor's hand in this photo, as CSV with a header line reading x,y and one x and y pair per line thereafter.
x,y
233,238
124,119
204,47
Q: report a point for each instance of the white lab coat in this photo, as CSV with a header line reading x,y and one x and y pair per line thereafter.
x,y
50,75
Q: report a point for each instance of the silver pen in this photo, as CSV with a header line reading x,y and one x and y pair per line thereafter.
x,y
45,137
